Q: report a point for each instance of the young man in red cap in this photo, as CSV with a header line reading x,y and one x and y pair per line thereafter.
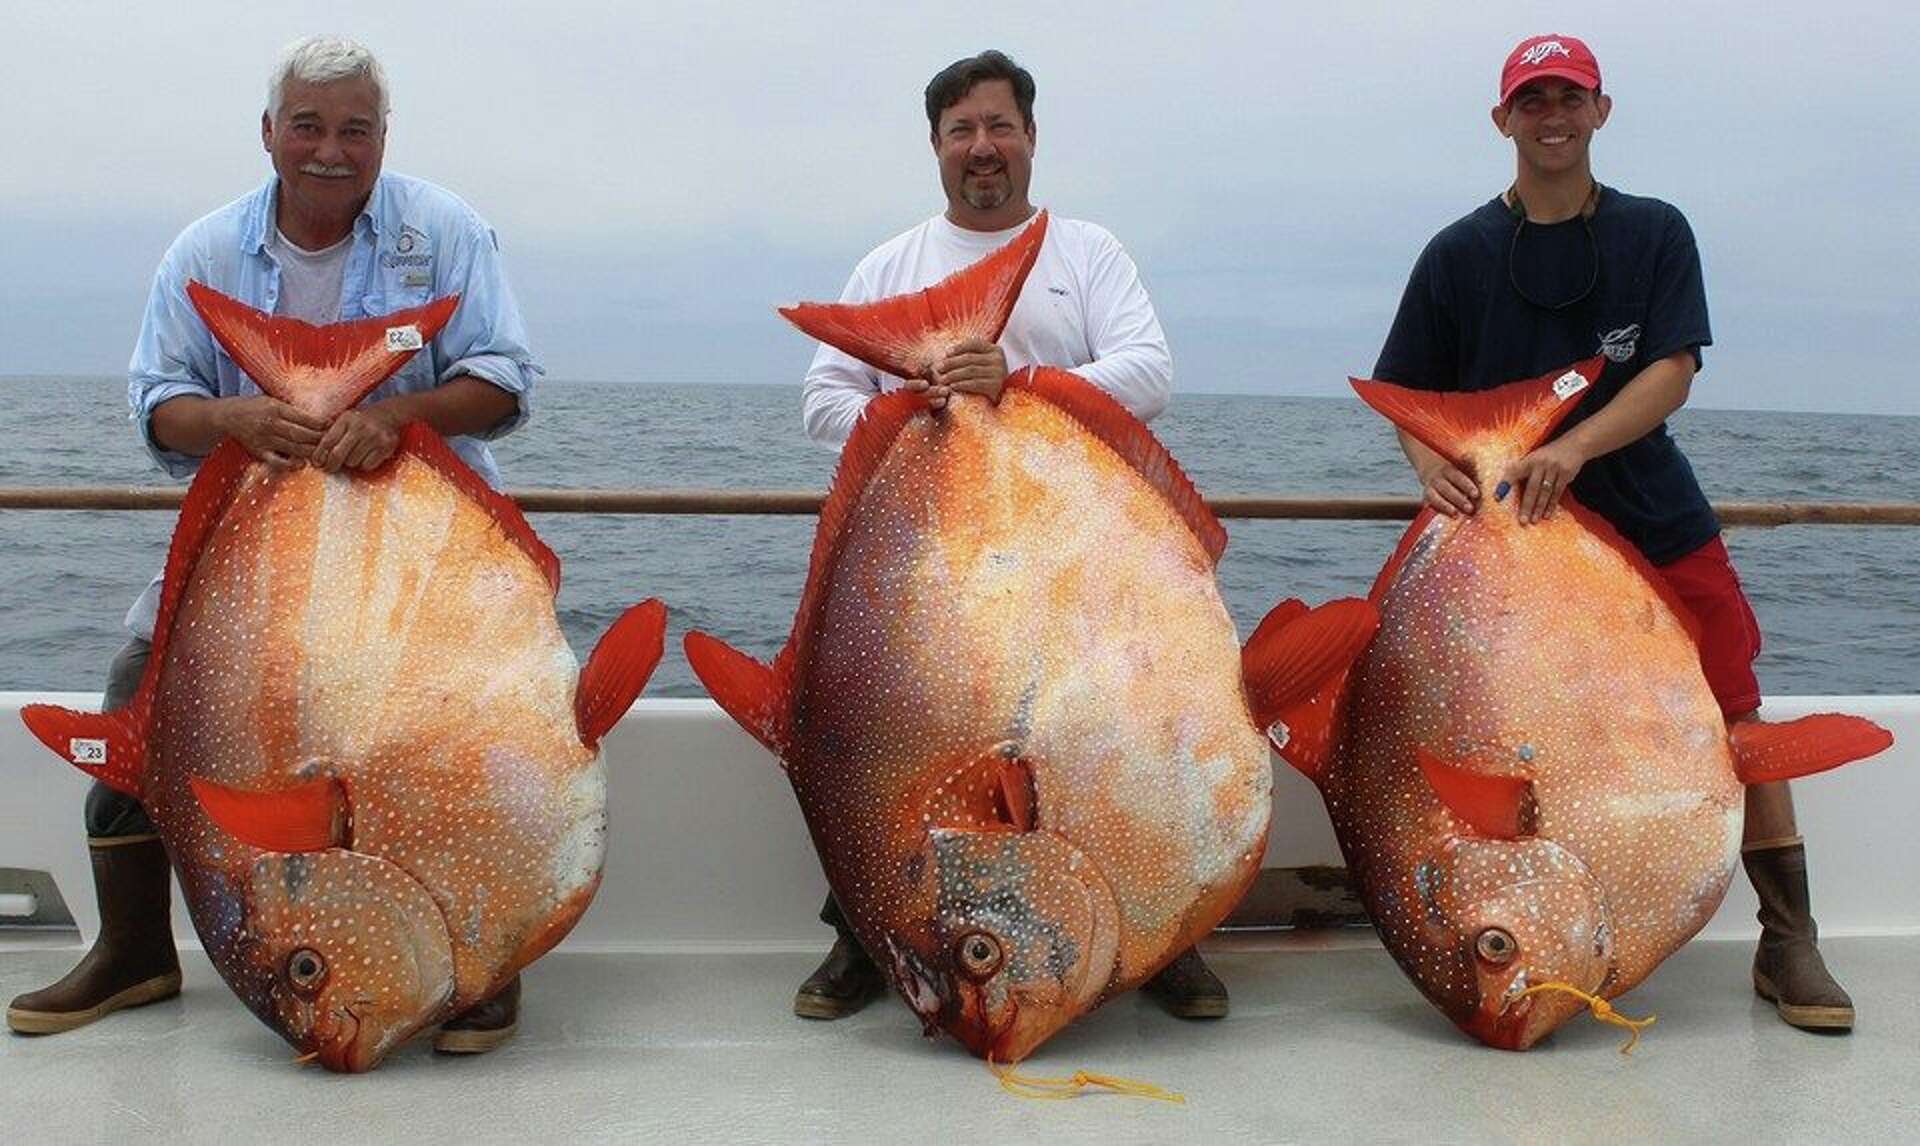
x,y
1557,269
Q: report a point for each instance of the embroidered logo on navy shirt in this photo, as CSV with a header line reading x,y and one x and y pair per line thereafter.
x,y
1619,345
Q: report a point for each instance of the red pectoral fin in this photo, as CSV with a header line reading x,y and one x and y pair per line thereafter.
x,y
993,792
618,669
109,746
754,694
308,817
1293,654
1764,752
1499,806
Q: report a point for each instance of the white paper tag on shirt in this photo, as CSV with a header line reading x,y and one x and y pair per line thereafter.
x,y
87,751
403,338
1565,386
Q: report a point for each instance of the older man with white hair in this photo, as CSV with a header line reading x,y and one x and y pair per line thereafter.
x,y
327,238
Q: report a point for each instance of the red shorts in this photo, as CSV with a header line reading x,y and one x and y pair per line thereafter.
x,y
1729,633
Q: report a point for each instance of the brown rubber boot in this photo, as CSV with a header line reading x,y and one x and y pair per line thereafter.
x,y
1787,969
132,961
483,1026
844,983
1188,988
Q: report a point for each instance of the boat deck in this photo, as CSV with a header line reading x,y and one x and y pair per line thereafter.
x,y
1327,1042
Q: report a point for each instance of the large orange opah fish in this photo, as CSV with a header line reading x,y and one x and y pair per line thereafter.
x,y
360,733
1533,785
1013,705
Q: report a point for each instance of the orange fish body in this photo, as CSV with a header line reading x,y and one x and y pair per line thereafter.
x,y
1531,780
1012,706
359,734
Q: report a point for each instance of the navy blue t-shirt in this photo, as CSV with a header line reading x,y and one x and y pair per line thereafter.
x,y
1463,326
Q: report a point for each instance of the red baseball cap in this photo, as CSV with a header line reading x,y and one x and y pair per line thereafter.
x,y
1554,55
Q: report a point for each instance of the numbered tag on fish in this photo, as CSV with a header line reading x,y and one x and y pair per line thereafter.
x,y
93,752
401,338
1565,386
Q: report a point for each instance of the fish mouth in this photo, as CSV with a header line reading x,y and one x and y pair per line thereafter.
x,y
347,1052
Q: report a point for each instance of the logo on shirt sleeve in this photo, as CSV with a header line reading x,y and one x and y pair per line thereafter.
x,y
1619,345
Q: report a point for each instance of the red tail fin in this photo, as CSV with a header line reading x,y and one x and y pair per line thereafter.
x,y
618,669
320,369
307,817
1294,652
906,334
755,695
1763,752
1510,419
109,746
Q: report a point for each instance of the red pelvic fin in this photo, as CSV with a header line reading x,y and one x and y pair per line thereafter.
x,y
904,335
990,793
624,658
1128,436
1286,664
308,817
108,746
1764,752
1493,805
418,439
754,694
1303,735
1514,418
320,369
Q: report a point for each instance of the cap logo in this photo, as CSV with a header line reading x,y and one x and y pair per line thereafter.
x,y
1542,51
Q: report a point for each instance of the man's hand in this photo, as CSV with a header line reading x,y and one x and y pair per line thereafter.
x,y
280,435
975,366
1448,489
358,439
1542,476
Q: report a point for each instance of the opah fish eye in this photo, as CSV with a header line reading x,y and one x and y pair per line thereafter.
x,y
979,954
1496,945
306,970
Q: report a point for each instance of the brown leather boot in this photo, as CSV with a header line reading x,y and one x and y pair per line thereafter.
x,y
132,961
483,1026
1188,988
845,982
1787,969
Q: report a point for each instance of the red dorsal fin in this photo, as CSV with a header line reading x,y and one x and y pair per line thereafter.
x,y
906,334
419,440
112,746
618,669
755,695
1285,665
1506,421
1105,418
1304,734
320,369
1764,752
308,817
990,793
108,746
1493,805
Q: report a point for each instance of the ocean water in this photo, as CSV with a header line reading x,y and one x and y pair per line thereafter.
x,y
1838,604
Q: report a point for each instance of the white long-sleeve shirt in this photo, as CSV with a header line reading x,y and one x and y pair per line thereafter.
x,y
1083,309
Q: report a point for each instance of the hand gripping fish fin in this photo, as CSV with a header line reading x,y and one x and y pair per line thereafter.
x,y
1295,651
1502,807
1514,418
1764,752
1105,418
618,669
419,440
320,369
754,694
906,334
111,746
308,817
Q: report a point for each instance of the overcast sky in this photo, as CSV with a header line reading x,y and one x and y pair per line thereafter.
x,y
662,175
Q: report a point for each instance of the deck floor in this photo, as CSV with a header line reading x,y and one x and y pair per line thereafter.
x,y
1326,1042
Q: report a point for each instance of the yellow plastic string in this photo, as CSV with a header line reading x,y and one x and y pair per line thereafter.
x,y
1602,1010
1027,1086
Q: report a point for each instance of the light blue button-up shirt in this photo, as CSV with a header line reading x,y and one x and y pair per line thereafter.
x,y
413,242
